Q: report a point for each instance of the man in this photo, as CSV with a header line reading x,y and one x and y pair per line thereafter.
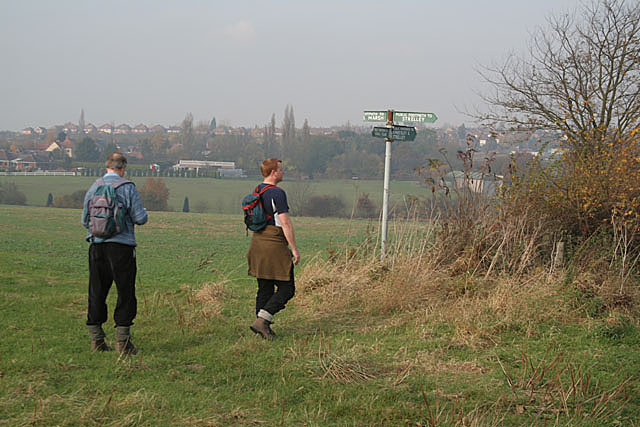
x,y
269,257
114,259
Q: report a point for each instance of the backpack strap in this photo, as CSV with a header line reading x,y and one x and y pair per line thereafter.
x,y
259,194
265,188
118,183
122,182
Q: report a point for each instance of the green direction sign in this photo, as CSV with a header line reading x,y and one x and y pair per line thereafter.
x,y
375,116
403,133
397,133
381,132
405,116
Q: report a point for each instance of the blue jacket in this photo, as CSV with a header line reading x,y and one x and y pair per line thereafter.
x,y
130,198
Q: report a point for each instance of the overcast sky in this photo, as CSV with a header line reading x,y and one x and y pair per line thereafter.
x,y
154,61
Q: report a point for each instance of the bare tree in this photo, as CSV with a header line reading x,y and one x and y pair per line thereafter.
x,y
581,77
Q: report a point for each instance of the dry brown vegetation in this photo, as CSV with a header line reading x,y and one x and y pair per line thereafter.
x,y
480,264
479,309
466,304
466,272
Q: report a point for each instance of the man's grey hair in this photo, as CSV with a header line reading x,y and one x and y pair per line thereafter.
x,y
116,160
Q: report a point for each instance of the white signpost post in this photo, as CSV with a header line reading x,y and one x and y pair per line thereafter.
x,y
392,132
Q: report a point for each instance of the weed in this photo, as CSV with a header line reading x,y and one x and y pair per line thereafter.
x,y
556,385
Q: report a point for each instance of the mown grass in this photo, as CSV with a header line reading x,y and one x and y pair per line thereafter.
x,y
350,351
213,195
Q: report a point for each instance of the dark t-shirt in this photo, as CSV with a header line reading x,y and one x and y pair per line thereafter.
x,y
274,197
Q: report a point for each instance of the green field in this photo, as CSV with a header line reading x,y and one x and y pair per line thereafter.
x,y
199,364
215,195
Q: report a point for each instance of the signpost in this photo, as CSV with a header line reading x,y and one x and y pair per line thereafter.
x,y
392,132
405,116
396,133
375,116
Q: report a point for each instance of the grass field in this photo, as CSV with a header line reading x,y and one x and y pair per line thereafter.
x,y
215,195
200,364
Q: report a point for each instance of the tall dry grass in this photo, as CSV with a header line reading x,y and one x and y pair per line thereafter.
x,y
480,263
417,282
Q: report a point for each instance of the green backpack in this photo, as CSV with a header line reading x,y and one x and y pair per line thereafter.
x,y
255,218
106,213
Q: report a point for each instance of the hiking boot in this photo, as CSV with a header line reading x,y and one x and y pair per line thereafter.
x,y
261,327
271,330
126,347
100,345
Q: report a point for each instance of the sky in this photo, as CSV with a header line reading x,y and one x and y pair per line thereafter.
x,y
154,61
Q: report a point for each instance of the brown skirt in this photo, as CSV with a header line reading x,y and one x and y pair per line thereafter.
x,y
269,255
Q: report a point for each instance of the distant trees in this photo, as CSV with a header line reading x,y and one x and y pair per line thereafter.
x,y
462,132
288,127
269,143
306,132
187,136
405,160
86,150
355,163
109,148
159,145
340,154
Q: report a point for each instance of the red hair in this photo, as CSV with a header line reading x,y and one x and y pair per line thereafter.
x,y
269,165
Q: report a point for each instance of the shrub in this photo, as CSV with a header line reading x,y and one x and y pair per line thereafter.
x,y
324,206
11,195
584,190
298,194
201,206
365,208
155,195
73,200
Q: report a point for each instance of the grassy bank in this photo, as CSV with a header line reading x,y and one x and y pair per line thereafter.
x,y
362,343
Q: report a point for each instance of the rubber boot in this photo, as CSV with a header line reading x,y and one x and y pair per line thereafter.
x,y
123,341
97,335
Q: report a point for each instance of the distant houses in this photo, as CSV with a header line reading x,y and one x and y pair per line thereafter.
x,y
142,129
25,162
106,128
90,128
224,169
